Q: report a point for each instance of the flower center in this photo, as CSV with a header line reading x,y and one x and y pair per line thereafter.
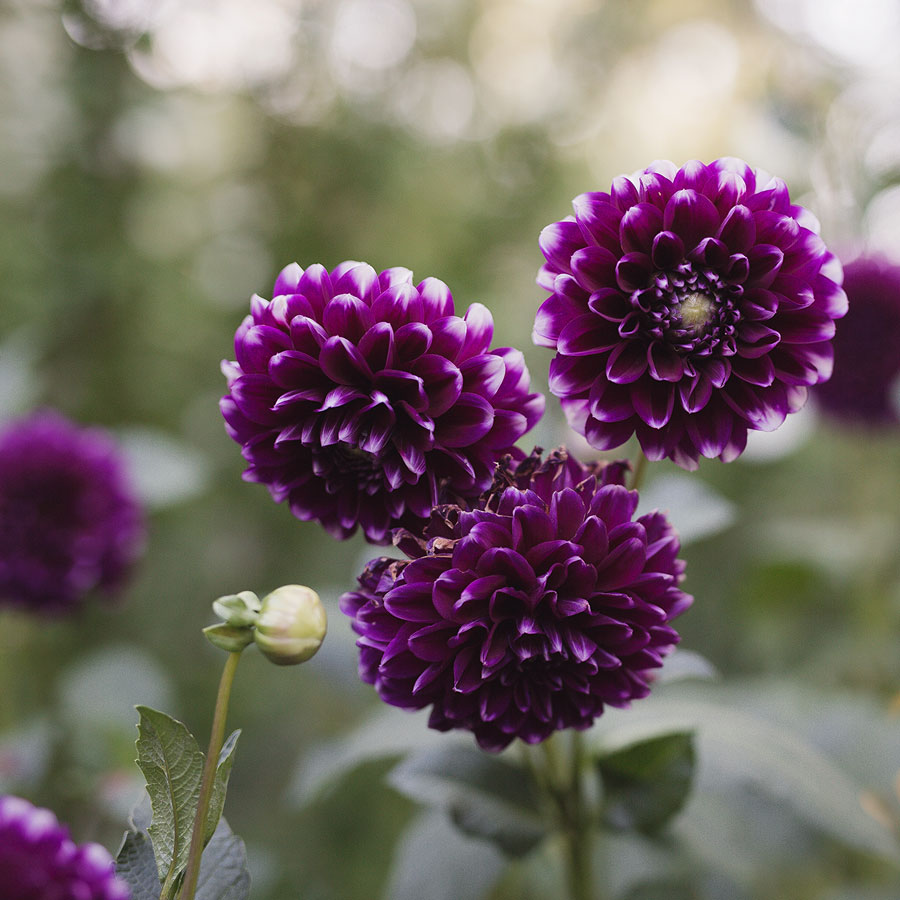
x,y
696,311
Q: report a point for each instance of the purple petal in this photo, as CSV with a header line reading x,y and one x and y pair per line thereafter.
x,y
399,305
738,230
342,362
559,241
623,192
653,401
347,316
639,226
483,374
443,382
594,268
691,216
377,346
468,421
360,279
633,271
598,220
765,263
437,300
667,251
627,362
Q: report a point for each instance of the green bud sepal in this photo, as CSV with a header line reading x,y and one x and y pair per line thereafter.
x,y
227,637
239,610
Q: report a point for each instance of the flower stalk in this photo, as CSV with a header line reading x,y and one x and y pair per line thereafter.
x,y
216,740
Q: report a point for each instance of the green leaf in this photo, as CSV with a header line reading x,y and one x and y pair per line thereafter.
x,y
737,751
390,732
648,782
434,860
136,865
223,866
485,796
220,785
172,763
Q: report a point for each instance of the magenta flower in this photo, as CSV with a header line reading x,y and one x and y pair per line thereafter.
x,y
687,306
527,613
69,521
39,861
360,397
865,387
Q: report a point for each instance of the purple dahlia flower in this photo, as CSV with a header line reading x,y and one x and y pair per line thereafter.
x,y
39,861
865,387
69,522
360,397
687,306
527,613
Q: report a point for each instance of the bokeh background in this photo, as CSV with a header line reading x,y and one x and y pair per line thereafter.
x,y
161,160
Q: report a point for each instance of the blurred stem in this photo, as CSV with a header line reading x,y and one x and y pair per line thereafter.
x,y
216,739
566,785
640,470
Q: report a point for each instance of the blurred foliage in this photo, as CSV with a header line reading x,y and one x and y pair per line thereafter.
x,y
142,205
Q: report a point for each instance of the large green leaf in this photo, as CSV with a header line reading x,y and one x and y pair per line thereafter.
x,y
223,867
434,861
388,734
737,750
172,763
485,796
648,782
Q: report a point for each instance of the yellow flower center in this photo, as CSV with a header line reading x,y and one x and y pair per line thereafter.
x,y
696,311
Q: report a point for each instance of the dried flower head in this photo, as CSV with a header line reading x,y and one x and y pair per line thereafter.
x,y
527,613
687,306
359,397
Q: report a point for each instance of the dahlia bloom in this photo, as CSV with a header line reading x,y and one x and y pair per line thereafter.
x,y
39,861
867,347
527,613
69,521
359,397
687,306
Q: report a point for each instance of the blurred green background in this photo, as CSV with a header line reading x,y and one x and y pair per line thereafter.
x,y
161,160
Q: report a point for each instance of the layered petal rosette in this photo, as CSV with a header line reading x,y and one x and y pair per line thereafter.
x,y
527,613
70,522
360,397
865,387
687,306
39,861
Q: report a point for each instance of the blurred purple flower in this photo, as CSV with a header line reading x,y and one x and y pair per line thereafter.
x,y
687,306
528,613
69,522
865,387
359,397
39,861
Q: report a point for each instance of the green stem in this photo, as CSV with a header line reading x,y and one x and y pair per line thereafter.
x,y
640,470
566,788
216,738
577,827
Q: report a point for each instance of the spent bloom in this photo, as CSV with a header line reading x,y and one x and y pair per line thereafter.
x,y
528,612
69,521
865,387
39,860
687,306
359,397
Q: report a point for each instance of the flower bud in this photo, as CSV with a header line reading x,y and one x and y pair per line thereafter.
x,y
291,625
